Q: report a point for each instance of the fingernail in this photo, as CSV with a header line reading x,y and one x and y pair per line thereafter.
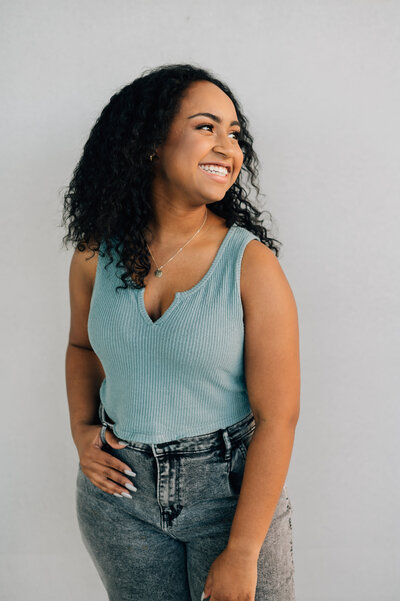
x,y
129,473
117,494
126,494
122,442
130,486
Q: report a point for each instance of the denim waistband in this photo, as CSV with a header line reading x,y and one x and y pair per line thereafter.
x,y
228,436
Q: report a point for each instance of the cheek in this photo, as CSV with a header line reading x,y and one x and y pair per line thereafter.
x,y
177,161
238,161
189,154
240,155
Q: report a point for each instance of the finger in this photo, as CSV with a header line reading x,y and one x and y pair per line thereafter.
x,y
114,463
113,441
107,478
102,458
112,488
112,481
97,442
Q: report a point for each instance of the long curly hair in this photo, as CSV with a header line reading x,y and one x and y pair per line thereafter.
x,y
108,198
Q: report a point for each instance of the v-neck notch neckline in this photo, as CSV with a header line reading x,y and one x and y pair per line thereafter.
x,y
183,293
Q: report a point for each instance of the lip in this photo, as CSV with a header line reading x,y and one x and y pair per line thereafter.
x,y
214,176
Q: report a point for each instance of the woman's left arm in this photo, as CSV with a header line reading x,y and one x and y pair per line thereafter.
x,y
272,372
272,375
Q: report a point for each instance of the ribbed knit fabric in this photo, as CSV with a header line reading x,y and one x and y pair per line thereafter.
x,y
182,375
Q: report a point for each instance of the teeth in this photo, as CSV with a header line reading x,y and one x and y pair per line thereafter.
x,y
215,169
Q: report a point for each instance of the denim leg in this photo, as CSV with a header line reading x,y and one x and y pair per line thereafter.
x,y
206,525
208,539
135,560
160,544
275,570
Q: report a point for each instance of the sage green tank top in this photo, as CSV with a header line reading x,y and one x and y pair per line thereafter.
x,y
183,374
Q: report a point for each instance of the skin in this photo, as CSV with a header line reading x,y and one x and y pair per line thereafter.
x,y
180,193
181,190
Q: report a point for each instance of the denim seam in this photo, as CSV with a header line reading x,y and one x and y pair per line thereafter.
x,y
243,450
290,510
85,479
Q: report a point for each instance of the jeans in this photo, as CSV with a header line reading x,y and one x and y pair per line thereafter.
x,y
159,545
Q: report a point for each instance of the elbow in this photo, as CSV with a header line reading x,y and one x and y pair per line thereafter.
x,y
281,421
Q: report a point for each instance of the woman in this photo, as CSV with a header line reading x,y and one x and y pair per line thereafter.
x,y
182,365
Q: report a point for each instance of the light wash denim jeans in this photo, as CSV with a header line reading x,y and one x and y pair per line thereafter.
x,y
159,545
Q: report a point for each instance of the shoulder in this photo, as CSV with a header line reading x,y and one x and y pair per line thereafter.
x,y
271,341
264,287
84,264
81,281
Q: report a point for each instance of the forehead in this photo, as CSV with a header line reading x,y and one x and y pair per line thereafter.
x,y
204,96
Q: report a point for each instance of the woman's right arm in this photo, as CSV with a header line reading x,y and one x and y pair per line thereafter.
x,y
84,375
83,370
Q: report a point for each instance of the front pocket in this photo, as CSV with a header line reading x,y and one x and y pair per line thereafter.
x,y
80,479
245,441
236,469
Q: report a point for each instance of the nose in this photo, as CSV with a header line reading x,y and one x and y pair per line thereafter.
x,y
224,145
224,148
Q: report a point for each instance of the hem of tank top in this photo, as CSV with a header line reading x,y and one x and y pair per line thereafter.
x,y
174,436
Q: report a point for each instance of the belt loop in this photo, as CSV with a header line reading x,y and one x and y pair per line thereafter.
x,y
228,445
103,423
103,417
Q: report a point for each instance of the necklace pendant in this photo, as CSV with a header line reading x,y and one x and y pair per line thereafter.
x,y
158,273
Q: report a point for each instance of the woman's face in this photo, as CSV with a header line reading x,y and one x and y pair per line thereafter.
x,y
196,140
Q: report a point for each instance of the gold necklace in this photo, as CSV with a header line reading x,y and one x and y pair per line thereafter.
x,y
158,272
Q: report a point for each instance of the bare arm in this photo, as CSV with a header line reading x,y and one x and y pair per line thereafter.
x,y
84,375
273,382
272,368
83,370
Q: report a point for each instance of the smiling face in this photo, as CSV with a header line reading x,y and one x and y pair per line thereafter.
x,y
198,139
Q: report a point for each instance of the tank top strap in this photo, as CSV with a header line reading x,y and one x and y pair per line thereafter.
x,y
231,260
243,238
228,259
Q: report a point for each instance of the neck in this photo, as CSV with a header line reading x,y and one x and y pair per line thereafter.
x,y
177,226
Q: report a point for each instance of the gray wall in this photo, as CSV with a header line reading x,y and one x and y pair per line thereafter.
x,y
319,82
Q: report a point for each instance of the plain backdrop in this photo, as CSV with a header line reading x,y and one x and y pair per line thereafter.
x,y
319,82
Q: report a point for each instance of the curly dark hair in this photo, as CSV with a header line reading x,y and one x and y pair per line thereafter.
x,y
108,198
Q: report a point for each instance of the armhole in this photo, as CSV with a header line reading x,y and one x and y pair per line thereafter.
x,y
96,275
239,261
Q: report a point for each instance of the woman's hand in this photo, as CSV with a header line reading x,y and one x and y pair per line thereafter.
x,y
103,470
232,577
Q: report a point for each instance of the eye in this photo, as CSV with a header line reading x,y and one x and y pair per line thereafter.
x,y
236,133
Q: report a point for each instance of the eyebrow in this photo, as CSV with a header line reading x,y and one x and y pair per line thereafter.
x,y
214,117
